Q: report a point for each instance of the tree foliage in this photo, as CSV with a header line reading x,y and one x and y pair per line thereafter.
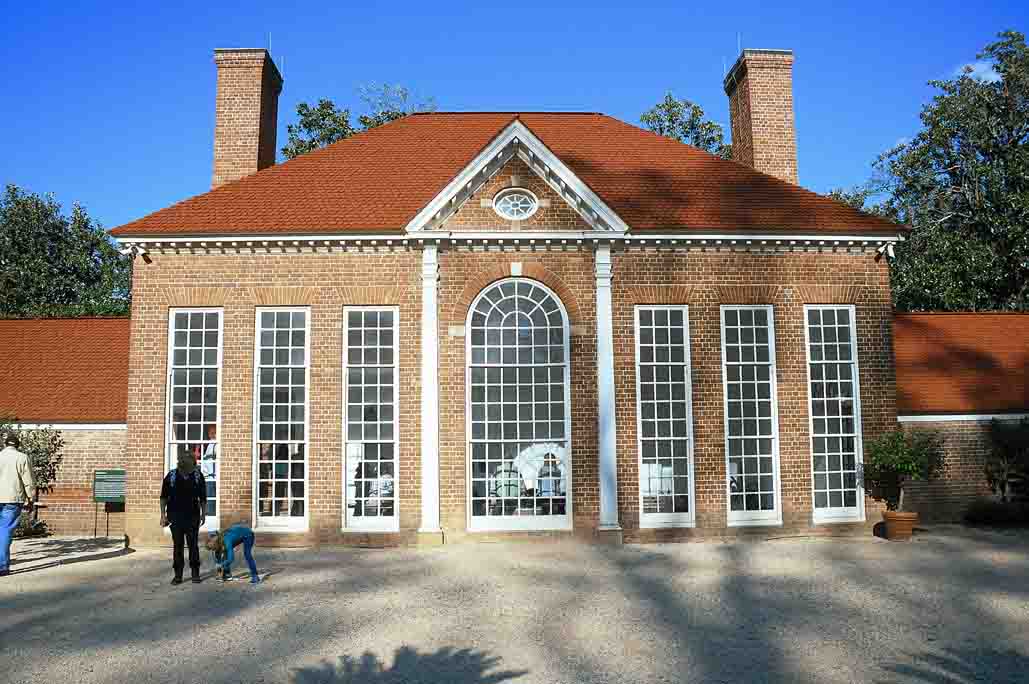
x,y
326,123
684,121
57,265
962,184
45,449
898,457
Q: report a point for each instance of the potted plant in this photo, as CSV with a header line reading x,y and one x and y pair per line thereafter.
x,y
893,460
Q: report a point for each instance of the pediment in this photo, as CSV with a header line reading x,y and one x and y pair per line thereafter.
x,y
516,152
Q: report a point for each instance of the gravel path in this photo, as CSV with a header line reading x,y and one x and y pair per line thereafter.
x,y
952,606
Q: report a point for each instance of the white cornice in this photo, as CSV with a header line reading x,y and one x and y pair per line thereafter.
x,y
516,138
360,242
959,417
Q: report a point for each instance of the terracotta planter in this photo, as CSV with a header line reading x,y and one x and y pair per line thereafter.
x,y
899,524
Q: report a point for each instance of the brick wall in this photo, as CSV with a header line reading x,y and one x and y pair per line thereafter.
x,y
326,282
966,445
246,107
238,283
704,281
553,214
69,509
760,90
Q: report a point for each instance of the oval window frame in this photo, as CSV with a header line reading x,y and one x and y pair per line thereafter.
x,y
510,191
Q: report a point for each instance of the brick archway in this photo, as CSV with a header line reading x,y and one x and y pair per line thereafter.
x,y
457,314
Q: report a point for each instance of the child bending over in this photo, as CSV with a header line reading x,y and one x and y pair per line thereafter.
x,y
222,543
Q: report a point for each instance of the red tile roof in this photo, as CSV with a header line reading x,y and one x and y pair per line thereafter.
x,y
64,370
961,362
378,180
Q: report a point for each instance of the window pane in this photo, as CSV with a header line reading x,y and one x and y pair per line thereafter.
x,y
833,373
371,464
281,369
194,375
663,372
748,368
518,368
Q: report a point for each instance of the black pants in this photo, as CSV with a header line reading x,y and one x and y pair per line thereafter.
x,y
184,531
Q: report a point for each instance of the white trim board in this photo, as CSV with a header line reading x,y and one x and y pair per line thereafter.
x,y
959,417
71,426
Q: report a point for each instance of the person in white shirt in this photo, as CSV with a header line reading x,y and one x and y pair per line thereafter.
x,y
17,489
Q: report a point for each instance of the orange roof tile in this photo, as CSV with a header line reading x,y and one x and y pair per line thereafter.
x,y
378,180
961,362
64,370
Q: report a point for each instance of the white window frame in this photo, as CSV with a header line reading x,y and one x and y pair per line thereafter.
x,y
518,523
752,518
380,523
659,520
284,524
845,514
510,191
211,523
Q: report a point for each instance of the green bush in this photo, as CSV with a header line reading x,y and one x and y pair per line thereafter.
x,y
1007,465
898,457
996,513
44,447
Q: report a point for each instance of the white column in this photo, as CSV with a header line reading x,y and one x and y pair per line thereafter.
x,y
606,394
430,391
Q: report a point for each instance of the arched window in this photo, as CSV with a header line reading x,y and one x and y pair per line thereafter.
x,y
518,416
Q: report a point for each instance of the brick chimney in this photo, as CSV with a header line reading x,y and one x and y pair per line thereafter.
x,y
760,90
246,113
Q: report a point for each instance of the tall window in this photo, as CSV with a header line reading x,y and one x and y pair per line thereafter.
x,y
194,383
835,413
518,419
751,423
664,415
370,417
281,387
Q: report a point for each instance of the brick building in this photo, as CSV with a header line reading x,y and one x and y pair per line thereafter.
x,y
477,325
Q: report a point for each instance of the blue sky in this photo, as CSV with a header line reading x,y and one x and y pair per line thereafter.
x,y
113,106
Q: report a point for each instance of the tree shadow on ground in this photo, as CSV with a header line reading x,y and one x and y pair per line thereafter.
x,y
450,665
962,666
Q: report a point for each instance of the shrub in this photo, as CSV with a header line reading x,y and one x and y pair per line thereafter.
x,y
898,457
1007,465
44,447
986,511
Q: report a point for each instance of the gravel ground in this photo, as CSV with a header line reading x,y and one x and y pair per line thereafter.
x,y
951,606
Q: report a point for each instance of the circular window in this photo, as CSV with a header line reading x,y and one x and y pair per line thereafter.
x,y
515,204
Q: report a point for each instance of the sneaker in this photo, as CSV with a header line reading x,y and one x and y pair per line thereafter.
x,y
255,580
176,580
226,578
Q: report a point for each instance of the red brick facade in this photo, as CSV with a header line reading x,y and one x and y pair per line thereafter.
x,y
966,445
704,282
238,284
69,509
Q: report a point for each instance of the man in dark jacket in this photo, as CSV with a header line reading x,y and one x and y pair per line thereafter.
x,y
183,506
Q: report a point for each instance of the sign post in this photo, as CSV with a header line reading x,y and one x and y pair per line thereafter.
x,y
108,488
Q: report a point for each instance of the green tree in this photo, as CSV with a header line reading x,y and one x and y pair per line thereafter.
x,y
684,121
326,123
57,265
962,184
